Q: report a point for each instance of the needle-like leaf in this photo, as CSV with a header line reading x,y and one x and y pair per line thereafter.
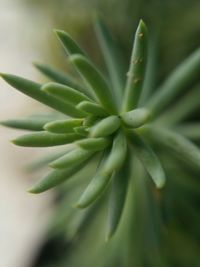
x,y
105,127
111,57
149,160
73,158
32,89
57,76
32,124
64,93
63,126
110,164
137,69
117,199
54,178
69,44
182,108
92,108
45,139
179,80
94,144
190,130
183,148
98,85
136,117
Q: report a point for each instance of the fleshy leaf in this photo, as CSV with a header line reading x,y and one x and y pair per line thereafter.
x,y
184,149
45,139
92,108
32,124
64,93
179,80
98,85
73,158
69,44
149,160
136,117
105,127
57,76
94,144
63,126
111,163
117,199
54,178
137,68
32,89
111,57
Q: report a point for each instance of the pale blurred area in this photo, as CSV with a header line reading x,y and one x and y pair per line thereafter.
x,y
22,216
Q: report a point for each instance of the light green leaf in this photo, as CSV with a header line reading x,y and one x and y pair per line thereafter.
x,y
94,144
105,127
117,199
179,80
69,44
110,163
111,57
45,139
63,126
184,149
98,85
32,124
92,108
73,158
183,108
136,118
137,68
54,178
64,93
57,76
149,160
32,89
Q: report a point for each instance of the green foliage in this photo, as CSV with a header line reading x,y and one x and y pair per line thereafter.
x,y
127,138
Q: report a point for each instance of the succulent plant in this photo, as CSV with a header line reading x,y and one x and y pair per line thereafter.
x,y
123,127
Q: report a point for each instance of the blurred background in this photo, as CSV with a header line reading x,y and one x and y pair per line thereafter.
x,y
26,36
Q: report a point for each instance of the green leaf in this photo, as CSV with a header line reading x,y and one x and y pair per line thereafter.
x,y
190,130
57,76
136,118
109,164
184,107
32,124
69,44
45,139
32,89
73,158
64,93
82,130
94,144
137,68
90,120
179,80
63,126
111,57
184,149
98,85
117,199
92,108
117,154
105,127
54,178
94,190
42,161
151,68
149,160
